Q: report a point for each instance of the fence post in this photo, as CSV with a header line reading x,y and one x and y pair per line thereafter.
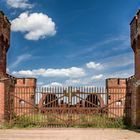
x,y
69,105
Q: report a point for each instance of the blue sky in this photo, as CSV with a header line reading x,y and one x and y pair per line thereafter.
x,y
70,42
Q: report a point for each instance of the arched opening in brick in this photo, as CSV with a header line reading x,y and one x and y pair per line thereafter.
x,y
48,100
95,99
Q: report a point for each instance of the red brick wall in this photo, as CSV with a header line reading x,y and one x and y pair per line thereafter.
x,y
6,104
138,106
137,63
116,89
25,95
2,93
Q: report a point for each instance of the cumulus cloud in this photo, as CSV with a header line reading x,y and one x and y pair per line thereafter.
x,y
19,4
93,65
97,77
34,25
69,72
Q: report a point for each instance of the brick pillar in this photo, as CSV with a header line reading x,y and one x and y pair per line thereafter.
x,y
6,88
2,98
138,106
135,104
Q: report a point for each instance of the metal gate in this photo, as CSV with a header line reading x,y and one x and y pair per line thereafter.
x,y
68,107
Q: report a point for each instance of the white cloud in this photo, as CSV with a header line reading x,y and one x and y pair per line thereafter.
x,y
20,59
40,83
81,76
93,65
53,84
97,77
72,81
69,72
19,4
121,73
7,70
34,25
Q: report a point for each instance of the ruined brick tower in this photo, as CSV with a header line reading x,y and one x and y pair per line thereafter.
x,y
4,42
135,44
6,81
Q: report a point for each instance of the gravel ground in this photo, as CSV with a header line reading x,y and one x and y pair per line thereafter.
x,y
69,134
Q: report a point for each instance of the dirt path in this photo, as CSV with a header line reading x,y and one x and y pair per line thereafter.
x,y
68,134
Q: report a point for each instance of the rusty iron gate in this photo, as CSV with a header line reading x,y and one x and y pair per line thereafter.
x,y
68,106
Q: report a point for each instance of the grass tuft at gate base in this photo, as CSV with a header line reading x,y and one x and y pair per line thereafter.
x,y
39,121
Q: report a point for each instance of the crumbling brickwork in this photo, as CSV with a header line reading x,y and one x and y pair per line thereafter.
x,y
4,42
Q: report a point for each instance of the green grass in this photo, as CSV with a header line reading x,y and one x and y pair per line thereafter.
x,y
5,126
72,120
